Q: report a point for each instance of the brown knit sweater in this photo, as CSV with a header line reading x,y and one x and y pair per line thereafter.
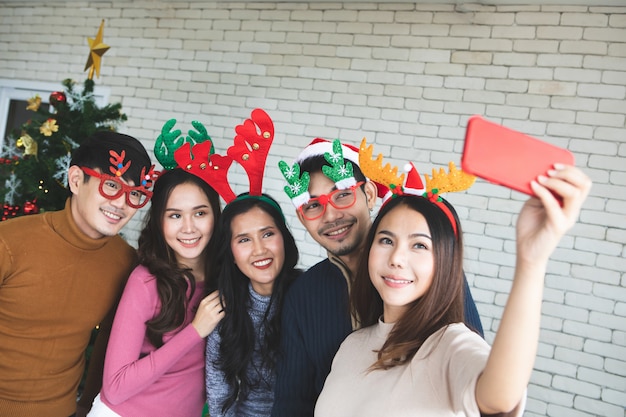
x,y
56,285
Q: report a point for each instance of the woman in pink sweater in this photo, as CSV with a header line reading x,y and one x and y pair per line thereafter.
x,y
154,364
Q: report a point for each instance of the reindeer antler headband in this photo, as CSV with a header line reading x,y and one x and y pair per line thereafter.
x,y
119,168
454,180
196,153
341,159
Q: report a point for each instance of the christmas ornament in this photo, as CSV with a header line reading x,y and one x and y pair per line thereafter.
x,y
96,50
48,127
12,184
8,161
10,149
34,103
62,164
29,144
70,142
30,207
80,99
9,211
57,97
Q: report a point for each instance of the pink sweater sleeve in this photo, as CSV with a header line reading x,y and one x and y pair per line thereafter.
x,y
132,363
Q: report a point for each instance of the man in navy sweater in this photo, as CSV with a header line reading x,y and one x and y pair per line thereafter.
x,y
335,208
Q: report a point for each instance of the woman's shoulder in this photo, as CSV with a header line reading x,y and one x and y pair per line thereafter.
x,y
141,276
376,334
461,331
452,340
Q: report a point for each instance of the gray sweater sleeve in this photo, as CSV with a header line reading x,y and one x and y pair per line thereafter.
x,y
216,389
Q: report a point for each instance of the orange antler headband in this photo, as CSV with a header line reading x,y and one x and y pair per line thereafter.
x,y
455,180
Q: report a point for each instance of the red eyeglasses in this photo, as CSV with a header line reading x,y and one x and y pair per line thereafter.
x,y
339,199
112,188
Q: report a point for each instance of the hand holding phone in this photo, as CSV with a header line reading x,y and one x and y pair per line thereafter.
x,y
504,156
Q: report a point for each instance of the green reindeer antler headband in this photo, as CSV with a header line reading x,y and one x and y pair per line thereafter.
x,y
169,141
341,172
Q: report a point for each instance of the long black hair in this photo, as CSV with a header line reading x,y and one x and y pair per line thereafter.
x,y
236,329
173,281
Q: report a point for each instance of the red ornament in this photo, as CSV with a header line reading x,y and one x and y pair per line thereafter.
x,y
31,207
8,212
57,97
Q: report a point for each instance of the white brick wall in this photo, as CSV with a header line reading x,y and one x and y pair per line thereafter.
x,y
406,76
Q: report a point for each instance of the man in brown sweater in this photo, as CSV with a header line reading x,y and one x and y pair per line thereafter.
x,y
61,274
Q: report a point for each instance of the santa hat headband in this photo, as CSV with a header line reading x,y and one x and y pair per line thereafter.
x,y
339,169
409,182
319,147
340,158
195,153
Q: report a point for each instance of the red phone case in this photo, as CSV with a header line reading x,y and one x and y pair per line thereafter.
x,y
507,157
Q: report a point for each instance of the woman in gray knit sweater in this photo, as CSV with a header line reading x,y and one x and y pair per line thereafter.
x,y
257,255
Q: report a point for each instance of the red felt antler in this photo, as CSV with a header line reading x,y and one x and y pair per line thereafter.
x,y
212,168
252,144
250,149
118,167
148,178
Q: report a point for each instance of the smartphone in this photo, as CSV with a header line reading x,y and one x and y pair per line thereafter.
x,y
504,156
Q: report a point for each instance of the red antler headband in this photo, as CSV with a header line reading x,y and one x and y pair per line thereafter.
x,y
455,180
250,150
118,168
252,145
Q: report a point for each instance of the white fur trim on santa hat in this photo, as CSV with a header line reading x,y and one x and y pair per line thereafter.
x,y
321,146
299,200
345,183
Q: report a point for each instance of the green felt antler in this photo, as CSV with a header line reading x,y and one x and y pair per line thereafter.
x,y
169,140
298,188
340,171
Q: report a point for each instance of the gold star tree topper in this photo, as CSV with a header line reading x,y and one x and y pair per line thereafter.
x,y
96,50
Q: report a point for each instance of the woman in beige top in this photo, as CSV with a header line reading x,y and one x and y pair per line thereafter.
x,y
414,356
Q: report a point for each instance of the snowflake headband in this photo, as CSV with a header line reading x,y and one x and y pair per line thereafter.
x,y
196,154
454,180
341,158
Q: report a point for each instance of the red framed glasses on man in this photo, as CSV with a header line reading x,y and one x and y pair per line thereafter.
x,y
339,199
112,188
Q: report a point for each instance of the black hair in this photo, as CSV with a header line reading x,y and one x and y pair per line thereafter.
x,y
94,153
236,330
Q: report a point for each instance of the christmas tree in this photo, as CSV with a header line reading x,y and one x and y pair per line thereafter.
x,y
35,158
